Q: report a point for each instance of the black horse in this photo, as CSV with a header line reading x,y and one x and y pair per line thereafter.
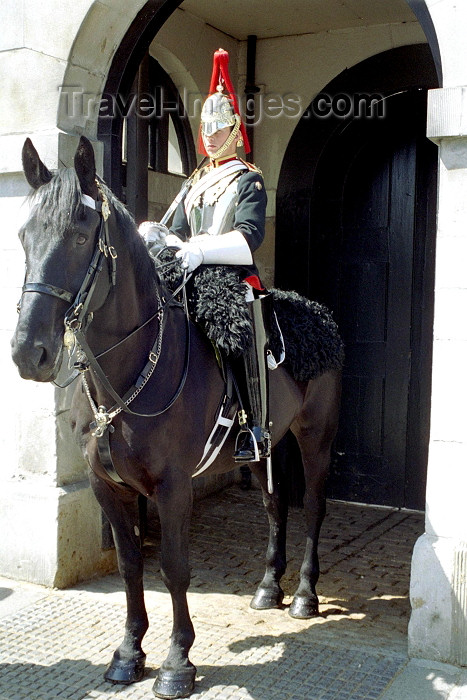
x,y
86,264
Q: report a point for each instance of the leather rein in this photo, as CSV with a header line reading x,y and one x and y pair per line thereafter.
x,y
79,316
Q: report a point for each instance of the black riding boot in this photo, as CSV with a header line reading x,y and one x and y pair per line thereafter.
x,y
254,440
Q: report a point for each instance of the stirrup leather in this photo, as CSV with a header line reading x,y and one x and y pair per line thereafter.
x,y
254,440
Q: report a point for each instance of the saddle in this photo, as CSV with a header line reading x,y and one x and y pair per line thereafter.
x,y
216,301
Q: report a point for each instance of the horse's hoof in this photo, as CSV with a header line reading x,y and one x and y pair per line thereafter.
x,y
174,684
267,600
303,608
124,671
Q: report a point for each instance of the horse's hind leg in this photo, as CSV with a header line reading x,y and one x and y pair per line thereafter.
x,y
269,593
120,505
315,430
174,500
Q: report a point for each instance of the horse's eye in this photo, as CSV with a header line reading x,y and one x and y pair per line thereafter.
x,y
81,239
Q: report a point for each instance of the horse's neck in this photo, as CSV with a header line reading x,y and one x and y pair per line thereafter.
x,y
126,309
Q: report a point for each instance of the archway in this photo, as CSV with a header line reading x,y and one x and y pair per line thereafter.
x,y
420,10
358,195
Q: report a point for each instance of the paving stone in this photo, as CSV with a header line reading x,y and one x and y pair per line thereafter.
x,y
59,643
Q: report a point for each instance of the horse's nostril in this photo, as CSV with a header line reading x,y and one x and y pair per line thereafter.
x,y
41,355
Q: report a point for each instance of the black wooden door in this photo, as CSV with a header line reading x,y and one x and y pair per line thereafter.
x,y
370,256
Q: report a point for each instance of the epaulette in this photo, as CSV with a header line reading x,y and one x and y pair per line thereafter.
x,y
251,166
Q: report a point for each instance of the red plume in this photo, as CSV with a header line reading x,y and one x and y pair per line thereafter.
x,y
220,76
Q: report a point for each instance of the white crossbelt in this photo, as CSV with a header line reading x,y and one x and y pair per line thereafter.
x,y
211,179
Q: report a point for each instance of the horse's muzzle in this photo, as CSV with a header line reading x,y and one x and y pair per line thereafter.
x,y
34,360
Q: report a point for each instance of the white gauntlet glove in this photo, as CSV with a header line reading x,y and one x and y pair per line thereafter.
x,y
227,249
173,241
190,255
189,252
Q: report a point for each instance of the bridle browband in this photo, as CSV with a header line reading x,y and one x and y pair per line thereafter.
x,y
78,317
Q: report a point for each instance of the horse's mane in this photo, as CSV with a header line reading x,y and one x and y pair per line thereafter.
x,y
145,271
58,204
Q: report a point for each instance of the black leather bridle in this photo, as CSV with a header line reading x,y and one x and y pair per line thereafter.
x,y
77,319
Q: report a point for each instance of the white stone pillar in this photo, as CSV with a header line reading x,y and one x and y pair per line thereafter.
x,y
49,519
438,625
50,522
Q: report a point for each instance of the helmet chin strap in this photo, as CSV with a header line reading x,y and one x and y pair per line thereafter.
x,y
231,138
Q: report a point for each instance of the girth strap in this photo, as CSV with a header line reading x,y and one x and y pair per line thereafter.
x,y
220,432
105,456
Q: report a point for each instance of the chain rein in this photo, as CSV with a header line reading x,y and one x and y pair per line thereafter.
x,y
102,417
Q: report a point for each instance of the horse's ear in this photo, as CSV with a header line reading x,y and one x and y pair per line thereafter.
x,y
34,169
85,166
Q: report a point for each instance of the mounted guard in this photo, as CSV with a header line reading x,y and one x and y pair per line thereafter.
x,y
220,219
147,373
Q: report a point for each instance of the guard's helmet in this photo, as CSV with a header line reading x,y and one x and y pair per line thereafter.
x,y
221,108
217,113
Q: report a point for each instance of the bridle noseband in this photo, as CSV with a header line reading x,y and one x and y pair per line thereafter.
x,y
44,288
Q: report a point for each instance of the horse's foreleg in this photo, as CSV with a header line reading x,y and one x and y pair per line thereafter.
x,y
174,500
269,593
121,508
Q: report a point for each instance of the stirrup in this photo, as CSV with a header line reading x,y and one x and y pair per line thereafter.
x,y
251,450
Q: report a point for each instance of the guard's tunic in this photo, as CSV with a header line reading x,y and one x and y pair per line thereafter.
x,y
227,195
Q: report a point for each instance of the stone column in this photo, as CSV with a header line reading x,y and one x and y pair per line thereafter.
x,y
49,519
50,522
438,625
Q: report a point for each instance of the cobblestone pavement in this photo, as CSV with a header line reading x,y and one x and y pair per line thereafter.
x,y
58,644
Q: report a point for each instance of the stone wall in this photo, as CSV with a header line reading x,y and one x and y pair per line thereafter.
x,y
438,587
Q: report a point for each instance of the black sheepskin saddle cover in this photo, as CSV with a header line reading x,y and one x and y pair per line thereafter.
x,y
216,300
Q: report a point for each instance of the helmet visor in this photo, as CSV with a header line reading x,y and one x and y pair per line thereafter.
x,y
217,113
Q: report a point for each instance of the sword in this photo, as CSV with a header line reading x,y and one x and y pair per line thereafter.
x,y
183,190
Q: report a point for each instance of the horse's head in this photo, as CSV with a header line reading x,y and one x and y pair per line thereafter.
x,y
59,240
